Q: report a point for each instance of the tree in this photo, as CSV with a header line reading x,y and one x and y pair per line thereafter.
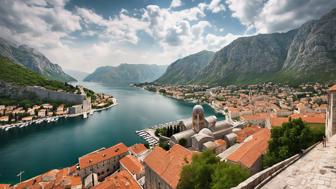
x,y
290,139
228,175
207,171
183,142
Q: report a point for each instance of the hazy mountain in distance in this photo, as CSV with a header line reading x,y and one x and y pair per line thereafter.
x,y
127,73
78,75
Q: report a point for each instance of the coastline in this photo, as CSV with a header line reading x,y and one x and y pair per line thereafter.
x,y
55,118
194,101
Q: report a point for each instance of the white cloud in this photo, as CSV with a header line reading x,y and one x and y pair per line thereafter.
x,y
175,3
216,6
215,42
49,27
278,15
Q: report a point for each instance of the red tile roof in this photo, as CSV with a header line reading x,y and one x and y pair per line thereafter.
x,y
120,180
332,88
138,148
278,121
102,155
4,186
311,117
246,132
168,164
258,116
249,152
132,164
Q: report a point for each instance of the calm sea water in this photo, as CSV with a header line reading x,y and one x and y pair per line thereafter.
x,y
37,149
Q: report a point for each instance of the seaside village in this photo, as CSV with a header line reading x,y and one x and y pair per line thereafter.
x,y
12,116
242,138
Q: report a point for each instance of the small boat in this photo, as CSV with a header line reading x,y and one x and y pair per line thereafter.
x,y
85,115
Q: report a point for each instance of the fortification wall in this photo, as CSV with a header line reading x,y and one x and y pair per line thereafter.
x,y
14,91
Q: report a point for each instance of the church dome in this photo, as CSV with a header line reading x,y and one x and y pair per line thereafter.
x,y
198,109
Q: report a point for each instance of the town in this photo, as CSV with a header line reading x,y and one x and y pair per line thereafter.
x,y
26,112
243,139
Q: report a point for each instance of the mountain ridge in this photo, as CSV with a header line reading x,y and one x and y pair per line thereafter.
x,y
304,54
33,60
127,73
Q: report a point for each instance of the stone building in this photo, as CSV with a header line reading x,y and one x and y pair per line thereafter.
x,y
330,128
163,168
200,129
102,162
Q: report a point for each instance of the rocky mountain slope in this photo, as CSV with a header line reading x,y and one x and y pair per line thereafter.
x,y
306,54
185,69
127,73
33,60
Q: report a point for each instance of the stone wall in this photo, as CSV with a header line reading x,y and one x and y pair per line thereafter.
x,y
14,91
259,179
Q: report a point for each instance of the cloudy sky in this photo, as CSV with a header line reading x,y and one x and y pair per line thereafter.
x,y
85,34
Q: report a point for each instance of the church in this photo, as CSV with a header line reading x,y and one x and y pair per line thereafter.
x,y
201,133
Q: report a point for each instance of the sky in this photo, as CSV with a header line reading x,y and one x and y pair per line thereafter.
x,y
85,34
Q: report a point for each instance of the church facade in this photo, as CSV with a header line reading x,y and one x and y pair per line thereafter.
x,y
201,133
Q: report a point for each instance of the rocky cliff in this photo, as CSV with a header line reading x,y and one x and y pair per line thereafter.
x,y
185,69
306,54
33,60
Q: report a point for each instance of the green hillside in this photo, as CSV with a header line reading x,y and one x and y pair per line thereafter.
x,y
19,75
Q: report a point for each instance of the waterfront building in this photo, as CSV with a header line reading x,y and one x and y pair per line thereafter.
x,y
27,118
42,113
249,154
76,109
163,168
133,166
201,129
330,128
4,118
120,180
103,162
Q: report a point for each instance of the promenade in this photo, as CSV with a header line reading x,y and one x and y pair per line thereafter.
x,y
317,169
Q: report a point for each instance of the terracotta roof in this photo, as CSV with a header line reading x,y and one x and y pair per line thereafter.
x,y
132,164
311,117
4,186
249,152
102,155
258,116
138,148
332,88
220,142
168,164
246,132
120,180
278,121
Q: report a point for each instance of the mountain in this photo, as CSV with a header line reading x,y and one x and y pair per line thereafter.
x,y
127,73
306,54
78,75
21,76
33,60
185,69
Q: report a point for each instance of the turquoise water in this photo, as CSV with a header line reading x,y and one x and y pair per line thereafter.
x,y
37,149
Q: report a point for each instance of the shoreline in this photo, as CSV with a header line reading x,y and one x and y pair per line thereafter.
x,y
7,127
193,101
